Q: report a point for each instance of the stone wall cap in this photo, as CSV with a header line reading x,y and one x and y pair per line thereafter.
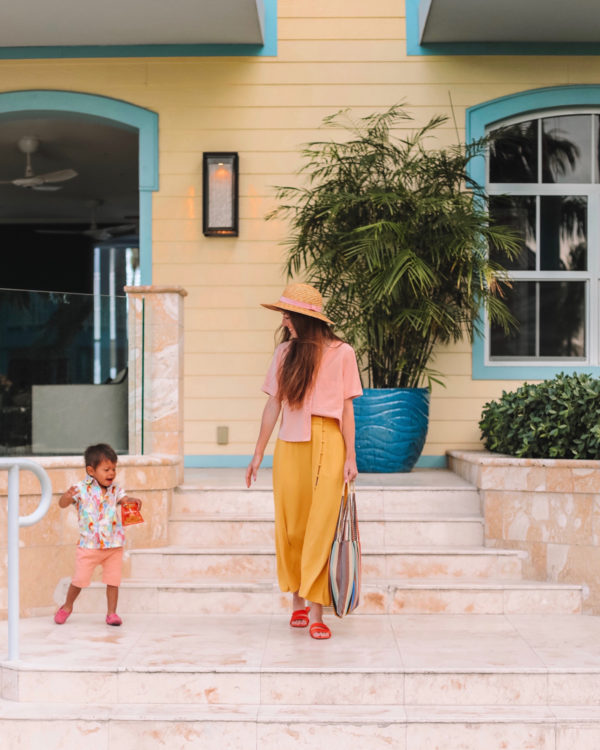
x,y
155,290
487,458
69,462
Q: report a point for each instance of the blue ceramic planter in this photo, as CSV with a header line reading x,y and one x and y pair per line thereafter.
x,y
391,427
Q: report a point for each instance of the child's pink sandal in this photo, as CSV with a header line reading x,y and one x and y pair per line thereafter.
x,y
113,619
61,616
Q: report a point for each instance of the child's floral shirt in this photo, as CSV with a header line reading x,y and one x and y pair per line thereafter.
x,y
99,520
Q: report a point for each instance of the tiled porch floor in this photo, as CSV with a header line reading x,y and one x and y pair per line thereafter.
x,y
391,643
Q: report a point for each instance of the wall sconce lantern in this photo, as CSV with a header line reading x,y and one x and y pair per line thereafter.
x,y
220,194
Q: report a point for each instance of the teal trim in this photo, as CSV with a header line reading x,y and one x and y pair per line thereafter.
x,y
432,462
267,49
223,462
478,118
120,114
145,237
413,47
240,461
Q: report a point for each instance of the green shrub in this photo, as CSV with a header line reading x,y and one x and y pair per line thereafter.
x,y
559,418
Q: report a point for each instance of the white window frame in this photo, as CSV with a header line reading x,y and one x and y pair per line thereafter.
x,y
591,277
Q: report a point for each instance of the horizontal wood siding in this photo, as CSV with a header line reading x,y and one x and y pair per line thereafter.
x,y
331,55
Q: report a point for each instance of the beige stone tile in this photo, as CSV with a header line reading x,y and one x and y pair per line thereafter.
x,y
561,641
462,642
475,689
41,569
474,736
574,688
535,480
583,736
314,688
165,442
232,566
542,600
559,479
9,683
133,599
67,687
436,601
373,601
512,478
222,534
188,735
374,566
586,480
201,687
333,735
577,564
546,517
55,735
253,601
365,642
221,640
493,503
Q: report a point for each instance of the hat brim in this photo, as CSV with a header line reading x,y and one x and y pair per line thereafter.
x,y
284,306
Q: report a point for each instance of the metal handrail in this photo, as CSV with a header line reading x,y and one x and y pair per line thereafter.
x,y
14,465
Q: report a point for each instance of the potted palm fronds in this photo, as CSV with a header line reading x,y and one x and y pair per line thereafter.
x,y
395,235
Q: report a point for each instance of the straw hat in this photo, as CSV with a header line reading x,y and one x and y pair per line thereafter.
x,y
300,298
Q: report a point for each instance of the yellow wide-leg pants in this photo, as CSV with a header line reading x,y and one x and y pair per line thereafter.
x,y
308,479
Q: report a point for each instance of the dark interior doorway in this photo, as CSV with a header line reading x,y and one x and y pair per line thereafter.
x,y
69,207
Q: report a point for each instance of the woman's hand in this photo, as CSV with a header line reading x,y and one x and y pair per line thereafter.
x,y
350,470
269,418
252,469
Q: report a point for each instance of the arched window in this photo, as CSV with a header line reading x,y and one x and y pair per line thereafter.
x,y
542,175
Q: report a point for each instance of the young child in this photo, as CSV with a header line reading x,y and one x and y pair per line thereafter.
x,y
101,535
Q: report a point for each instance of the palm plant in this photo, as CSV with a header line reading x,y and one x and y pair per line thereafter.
x,y
395,235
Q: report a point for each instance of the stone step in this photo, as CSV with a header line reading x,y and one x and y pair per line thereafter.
x,y
241,502
376,532
188,727
267,727
409,596
259,563
251,660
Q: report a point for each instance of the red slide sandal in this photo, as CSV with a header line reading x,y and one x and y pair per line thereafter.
x,y
299,618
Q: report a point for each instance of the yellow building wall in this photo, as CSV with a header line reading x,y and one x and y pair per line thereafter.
x,y
331,55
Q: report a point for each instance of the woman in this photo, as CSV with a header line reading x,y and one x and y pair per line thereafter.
x,y
312,380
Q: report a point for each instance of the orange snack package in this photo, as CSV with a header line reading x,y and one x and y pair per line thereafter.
x,y
130,514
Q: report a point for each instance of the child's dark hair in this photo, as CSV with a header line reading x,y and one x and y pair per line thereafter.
x,y
95,454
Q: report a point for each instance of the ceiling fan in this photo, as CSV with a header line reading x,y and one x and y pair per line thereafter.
x,y
100,234
28,145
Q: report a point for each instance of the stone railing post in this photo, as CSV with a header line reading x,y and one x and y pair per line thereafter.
x,y
155,330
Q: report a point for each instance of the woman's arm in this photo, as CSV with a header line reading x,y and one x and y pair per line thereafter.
x,y
350,470
268,422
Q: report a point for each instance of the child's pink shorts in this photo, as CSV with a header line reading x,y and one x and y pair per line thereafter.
x,y
88,559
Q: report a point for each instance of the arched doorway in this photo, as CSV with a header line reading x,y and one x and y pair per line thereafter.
x,y
76,181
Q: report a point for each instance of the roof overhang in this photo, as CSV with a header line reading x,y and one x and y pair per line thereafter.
x,y
508,21
82,23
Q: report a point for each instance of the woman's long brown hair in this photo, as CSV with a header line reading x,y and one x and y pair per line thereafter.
x,y
303,357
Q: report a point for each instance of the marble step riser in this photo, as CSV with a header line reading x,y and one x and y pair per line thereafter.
x,y
374,600
235,567
241,503
519,734
374,535
202,688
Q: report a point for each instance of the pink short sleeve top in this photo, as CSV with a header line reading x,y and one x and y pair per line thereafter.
x,y
337,379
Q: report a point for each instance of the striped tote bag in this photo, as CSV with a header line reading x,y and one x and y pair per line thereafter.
x,y
344,560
